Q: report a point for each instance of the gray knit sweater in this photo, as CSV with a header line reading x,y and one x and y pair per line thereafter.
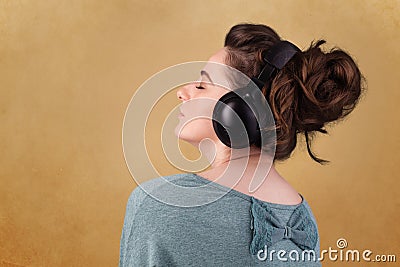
x,y
235,230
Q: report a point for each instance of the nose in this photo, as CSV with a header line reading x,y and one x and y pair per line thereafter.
x,y
182,93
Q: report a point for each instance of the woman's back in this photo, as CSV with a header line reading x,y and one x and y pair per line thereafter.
x,y
230,231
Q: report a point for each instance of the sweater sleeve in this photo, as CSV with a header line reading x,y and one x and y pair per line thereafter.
x,y
135,199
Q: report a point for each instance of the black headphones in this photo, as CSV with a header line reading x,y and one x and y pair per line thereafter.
x,y
246,107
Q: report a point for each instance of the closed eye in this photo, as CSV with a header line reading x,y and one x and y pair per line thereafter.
x,y
200,87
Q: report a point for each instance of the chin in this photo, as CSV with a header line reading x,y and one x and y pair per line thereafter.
x,y
188,140
194,134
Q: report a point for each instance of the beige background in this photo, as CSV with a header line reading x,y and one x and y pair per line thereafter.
x,y
68,70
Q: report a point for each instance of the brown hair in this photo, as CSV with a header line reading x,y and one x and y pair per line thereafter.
x,y
313,89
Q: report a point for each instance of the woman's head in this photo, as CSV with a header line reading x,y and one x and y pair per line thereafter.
x,y
313,88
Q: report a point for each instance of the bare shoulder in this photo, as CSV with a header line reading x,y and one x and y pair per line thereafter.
x,y
274,189
277,190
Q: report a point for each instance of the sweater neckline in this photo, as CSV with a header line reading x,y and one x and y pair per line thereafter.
x,y
248,197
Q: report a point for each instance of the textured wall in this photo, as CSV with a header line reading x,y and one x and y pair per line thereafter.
x,y
69,68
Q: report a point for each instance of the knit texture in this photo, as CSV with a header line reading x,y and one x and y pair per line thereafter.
x,y
234,230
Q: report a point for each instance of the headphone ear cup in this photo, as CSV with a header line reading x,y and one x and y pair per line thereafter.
x,y
234,122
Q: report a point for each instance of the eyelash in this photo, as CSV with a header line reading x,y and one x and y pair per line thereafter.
x,y
200,87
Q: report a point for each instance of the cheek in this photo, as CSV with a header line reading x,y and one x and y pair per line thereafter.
x,y
198,108
198,114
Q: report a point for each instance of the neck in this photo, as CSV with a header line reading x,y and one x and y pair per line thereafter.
x,y
220,155
239,163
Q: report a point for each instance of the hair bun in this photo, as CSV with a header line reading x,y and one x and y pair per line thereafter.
x,y
313,89
330,84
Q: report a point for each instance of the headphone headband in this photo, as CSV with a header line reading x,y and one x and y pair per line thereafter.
x,y
276,58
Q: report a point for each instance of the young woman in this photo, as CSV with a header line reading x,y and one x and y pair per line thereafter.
x,y
272,225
